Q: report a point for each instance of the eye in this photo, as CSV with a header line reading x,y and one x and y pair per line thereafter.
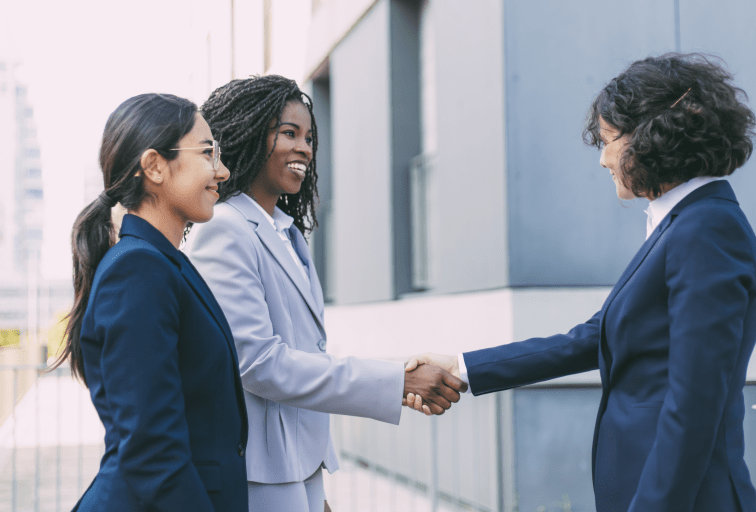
x,y
290,133
308,140
208,151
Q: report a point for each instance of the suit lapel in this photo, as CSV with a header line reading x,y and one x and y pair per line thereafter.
x,y
272,241
140,228
269,237
208,299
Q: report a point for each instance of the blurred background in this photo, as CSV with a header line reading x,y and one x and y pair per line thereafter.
x,y
459,209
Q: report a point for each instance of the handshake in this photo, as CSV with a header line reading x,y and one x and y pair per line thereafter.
x,y
432,383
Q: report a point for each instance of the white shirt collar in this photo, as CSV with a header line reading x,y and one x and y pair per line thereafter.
x,y
280,221
662,205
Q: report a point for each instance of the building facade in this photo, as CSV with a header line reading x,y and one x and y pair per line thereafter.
x,y
460,208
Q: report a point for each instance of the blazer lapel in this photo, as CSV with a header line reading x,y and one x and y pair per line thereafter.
x,y
272,241
138,227
269,237
208,299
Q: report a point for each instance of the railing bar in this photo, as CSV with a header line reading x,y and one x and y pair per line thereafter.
x,y
14,499
37,447
57,450
434,464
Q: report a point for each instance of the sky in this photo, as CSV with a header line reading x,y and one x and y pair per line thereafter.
x,y
80,59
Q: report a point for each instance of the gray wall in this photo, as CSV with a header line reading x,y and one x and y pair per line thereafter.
x,y
361,153
566,227
727,29
471,249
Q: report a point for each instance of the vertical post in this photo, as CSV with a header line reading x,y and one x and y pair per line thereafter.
x,y
233,42
434,464
678,41
57,447
37,464
14,498
506,488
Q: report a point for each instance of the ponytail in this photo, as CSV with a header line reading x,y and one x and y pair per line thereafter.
x,y
147,121
93,234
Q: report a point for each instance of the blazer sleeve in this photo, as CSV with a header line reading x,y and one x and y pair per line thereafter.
x,y
709,272
534,360
226,256
137,317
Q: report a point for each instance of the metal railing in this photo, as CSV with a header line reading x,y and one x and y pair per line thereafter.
x,y
50,439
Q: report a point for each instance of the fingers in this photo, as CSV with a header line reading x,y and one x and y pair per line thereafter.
x,y
411,364
454,382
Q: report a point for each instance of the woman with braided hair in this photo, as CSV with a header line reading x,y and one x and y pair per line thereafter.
x,y
254,257
145,333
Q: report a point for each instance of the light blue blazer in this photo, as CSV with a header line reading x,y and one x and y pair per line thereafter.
x,y
276,317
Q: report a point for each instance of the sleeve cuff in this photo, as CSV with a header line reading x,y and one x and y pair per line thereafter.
x,y
463,372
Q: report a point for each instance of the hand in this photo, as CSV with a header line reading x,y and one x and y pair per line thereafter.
x,y
437,387
327,508
447,363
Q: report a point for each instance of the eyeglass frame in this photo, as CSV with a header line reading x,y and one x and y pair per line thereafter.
x,y
216,153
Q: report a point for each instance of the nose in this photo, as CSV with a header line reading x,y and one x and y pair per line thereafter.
x,y
304,148
602,160
222,174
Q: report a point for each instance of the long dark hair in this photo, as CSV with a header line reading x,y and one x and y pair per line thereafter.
x,y
684,117
147,121
239,114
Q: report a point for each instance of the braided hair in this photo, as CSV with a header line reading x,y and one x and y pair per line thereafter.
x,y
239,114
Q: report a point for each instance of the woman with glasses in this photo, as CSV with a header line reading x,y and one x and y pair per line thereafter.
x,y
254,257
146,334
674,338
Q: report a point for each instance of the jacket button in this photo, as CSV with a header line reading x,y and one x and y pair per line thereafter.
x,y
322,345
240,450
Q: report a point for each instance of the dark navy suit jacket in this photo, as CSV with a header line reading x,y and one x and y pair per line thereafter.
x,y
672,343
163,374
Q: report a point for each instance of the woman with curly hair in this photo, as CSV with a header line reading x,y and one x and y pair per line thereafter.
x,y
674,337
254,257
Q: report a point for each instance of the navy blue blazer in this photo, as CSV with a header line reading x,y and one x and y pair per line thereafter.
x,y
672,343
163,374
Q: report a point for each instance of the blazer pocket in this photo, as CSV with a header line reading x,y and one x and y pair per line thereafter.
x,y
648,405
210,474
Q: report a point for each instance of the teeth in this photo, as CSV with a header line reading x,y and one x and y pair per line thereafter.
x,y
297,167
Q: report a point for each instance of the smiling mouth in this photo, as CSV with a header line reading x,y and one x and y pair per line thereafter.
x,y
298,168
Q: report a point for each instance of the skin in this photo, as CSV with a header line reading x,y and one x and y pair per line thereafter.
x,y
611,156
184,189
293,145
283,173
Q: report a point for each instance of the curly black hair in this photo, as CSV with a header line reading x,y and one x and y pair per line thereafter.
x,y
684,119
239,114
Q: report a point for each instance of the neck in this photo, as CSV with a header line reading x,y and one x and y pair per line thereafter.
x,y
167,224
267,201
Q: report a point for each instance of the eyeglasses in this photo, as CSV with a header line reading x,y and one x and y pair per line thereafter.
x,y
216,153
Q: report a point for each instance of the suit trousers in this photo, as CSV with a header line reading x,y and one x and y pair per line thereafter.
x,y
306,496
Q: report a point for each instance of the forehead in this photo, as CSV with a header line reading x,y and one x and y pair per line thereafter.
x,y
200,131
295,112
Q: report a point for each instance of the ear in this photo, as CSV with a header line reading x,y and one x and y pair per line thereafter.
x,y
154,166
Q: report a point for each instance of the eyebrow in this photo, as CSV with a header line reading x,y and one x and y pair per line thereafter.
x,y
295,125
206,141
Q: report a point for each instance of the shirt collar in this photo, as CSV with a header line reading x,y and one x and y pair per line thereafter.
x,y
280,220
662,205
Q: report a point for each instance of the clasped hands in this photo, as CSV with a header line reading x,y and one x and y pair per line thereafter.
x,y
432,383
